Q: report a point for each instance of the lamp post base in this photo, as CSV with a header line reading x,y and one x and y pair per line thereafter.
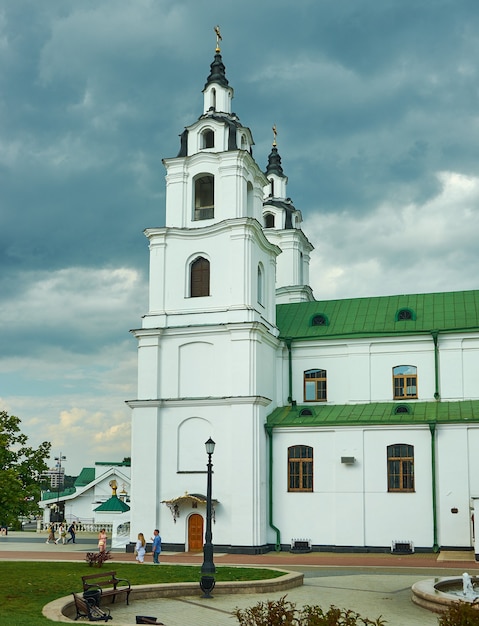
x,y
207,584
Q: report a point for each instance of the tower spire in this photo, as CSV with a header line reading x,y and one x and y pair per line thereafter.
x,y
217,68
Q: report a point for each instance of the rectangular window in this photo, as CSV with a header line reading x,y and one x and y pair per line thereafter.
x,y
300,468
315,385
400,467
404,382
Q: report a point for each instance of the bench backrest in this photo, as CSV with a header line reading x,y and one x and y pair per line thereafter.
x,y
101,580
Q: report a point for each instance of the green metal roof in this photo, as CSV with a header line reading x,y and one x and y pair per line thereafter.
x,y
365,317
114,463
375,413
113,505
51,495
86,476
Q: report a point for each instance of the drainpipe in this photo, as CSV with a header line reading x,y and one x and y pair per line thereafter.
x,y
435,338
269,432
432,428
288,341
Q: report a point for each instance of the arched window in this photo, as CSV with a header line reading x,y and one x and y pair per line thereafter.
x,y
208,138
200,278
204,197
269,220
249,200
405,315
315,389
319,320
402,408
400,467
271,180
404,382
260,284
300,468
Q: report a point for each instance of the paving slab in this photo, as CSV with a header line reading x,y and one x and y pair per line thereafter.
x,y
370,583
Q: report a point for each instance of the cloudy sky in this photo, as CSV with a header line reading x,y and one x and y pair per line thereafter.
x,y
377,110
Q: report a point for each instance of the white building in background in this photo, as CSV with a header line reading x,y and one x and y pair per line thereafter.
x,y
56,477
349,423
100,496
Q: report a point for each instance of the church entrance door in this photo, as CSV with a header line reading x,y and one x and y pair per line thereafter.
x,y
195,533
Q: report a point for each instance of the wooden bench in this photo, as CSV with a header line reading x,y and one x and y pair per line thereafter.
x,y
86,607
108,584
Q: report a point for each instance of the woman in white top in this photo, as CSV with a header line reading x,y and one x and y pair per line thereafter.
x,y
61,534
140,548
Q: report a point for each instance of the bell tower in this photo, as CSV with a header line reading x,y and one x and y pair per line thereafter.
x,y
207,345
282,224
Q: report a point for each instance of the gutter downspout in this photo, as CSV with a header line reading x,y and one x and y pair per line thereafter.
x,y
288,341
435,338
432,428
269,432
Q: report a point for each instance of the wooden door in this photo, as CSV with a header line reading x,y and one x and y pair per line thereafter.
x,y
195,533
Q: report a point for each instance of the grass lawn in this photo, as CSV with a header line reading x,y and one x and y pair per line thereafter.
x,y
26,586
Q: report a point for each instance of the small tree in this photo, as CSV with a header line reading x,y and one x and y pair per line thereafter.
x,y
20,468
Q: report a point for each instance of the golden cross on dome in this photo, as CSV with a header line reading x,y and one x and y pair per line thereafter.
x,y
218,38
275,132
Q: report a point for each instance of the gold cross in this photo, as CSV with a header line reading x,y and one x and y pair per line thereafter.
x,y
275,132
218,38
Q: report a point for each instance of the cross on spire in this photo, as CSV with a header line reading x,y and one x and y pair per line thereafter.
x,y
218,38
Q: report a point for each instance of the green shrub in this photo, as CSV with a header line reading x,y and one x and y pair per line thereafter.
x,y
270,613
461,614
282,612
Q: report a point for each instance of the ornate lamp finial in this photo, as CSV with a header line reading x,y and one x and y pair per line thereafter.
x,y
218,39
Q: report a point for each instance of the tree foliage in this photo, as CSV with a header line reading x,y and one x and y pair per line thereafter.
x,y
20,468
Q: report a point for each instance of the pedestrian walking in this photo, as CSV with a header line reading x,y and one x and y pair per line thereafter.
x,y
102,540
72,532
156,547
62,533
140,548
51,534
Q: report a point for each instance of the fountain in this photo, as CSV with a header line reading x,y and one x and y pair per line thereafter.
x,y
468,587
437,594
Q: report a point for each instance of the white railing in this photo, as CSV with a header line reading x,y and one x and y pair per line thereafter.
x,y
81,527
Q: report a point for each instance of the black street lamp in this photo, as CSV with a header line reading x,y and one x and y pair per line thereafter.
x,y
59,460
208,582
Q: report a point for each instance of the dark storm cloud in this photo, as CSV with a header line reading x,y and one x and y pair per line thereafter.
x,y
376,107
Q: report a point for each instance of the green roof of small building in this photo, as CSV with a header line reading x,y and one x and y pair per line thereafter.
x,y
375,414
113,505
114,463
86,476
50,495
368,317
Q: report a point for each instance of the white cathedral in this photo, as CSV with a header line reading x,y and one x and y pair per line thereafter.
x,y
349,424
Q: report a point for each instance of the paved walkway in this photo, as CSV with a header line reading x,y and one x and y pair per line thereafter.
x,y
371,584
